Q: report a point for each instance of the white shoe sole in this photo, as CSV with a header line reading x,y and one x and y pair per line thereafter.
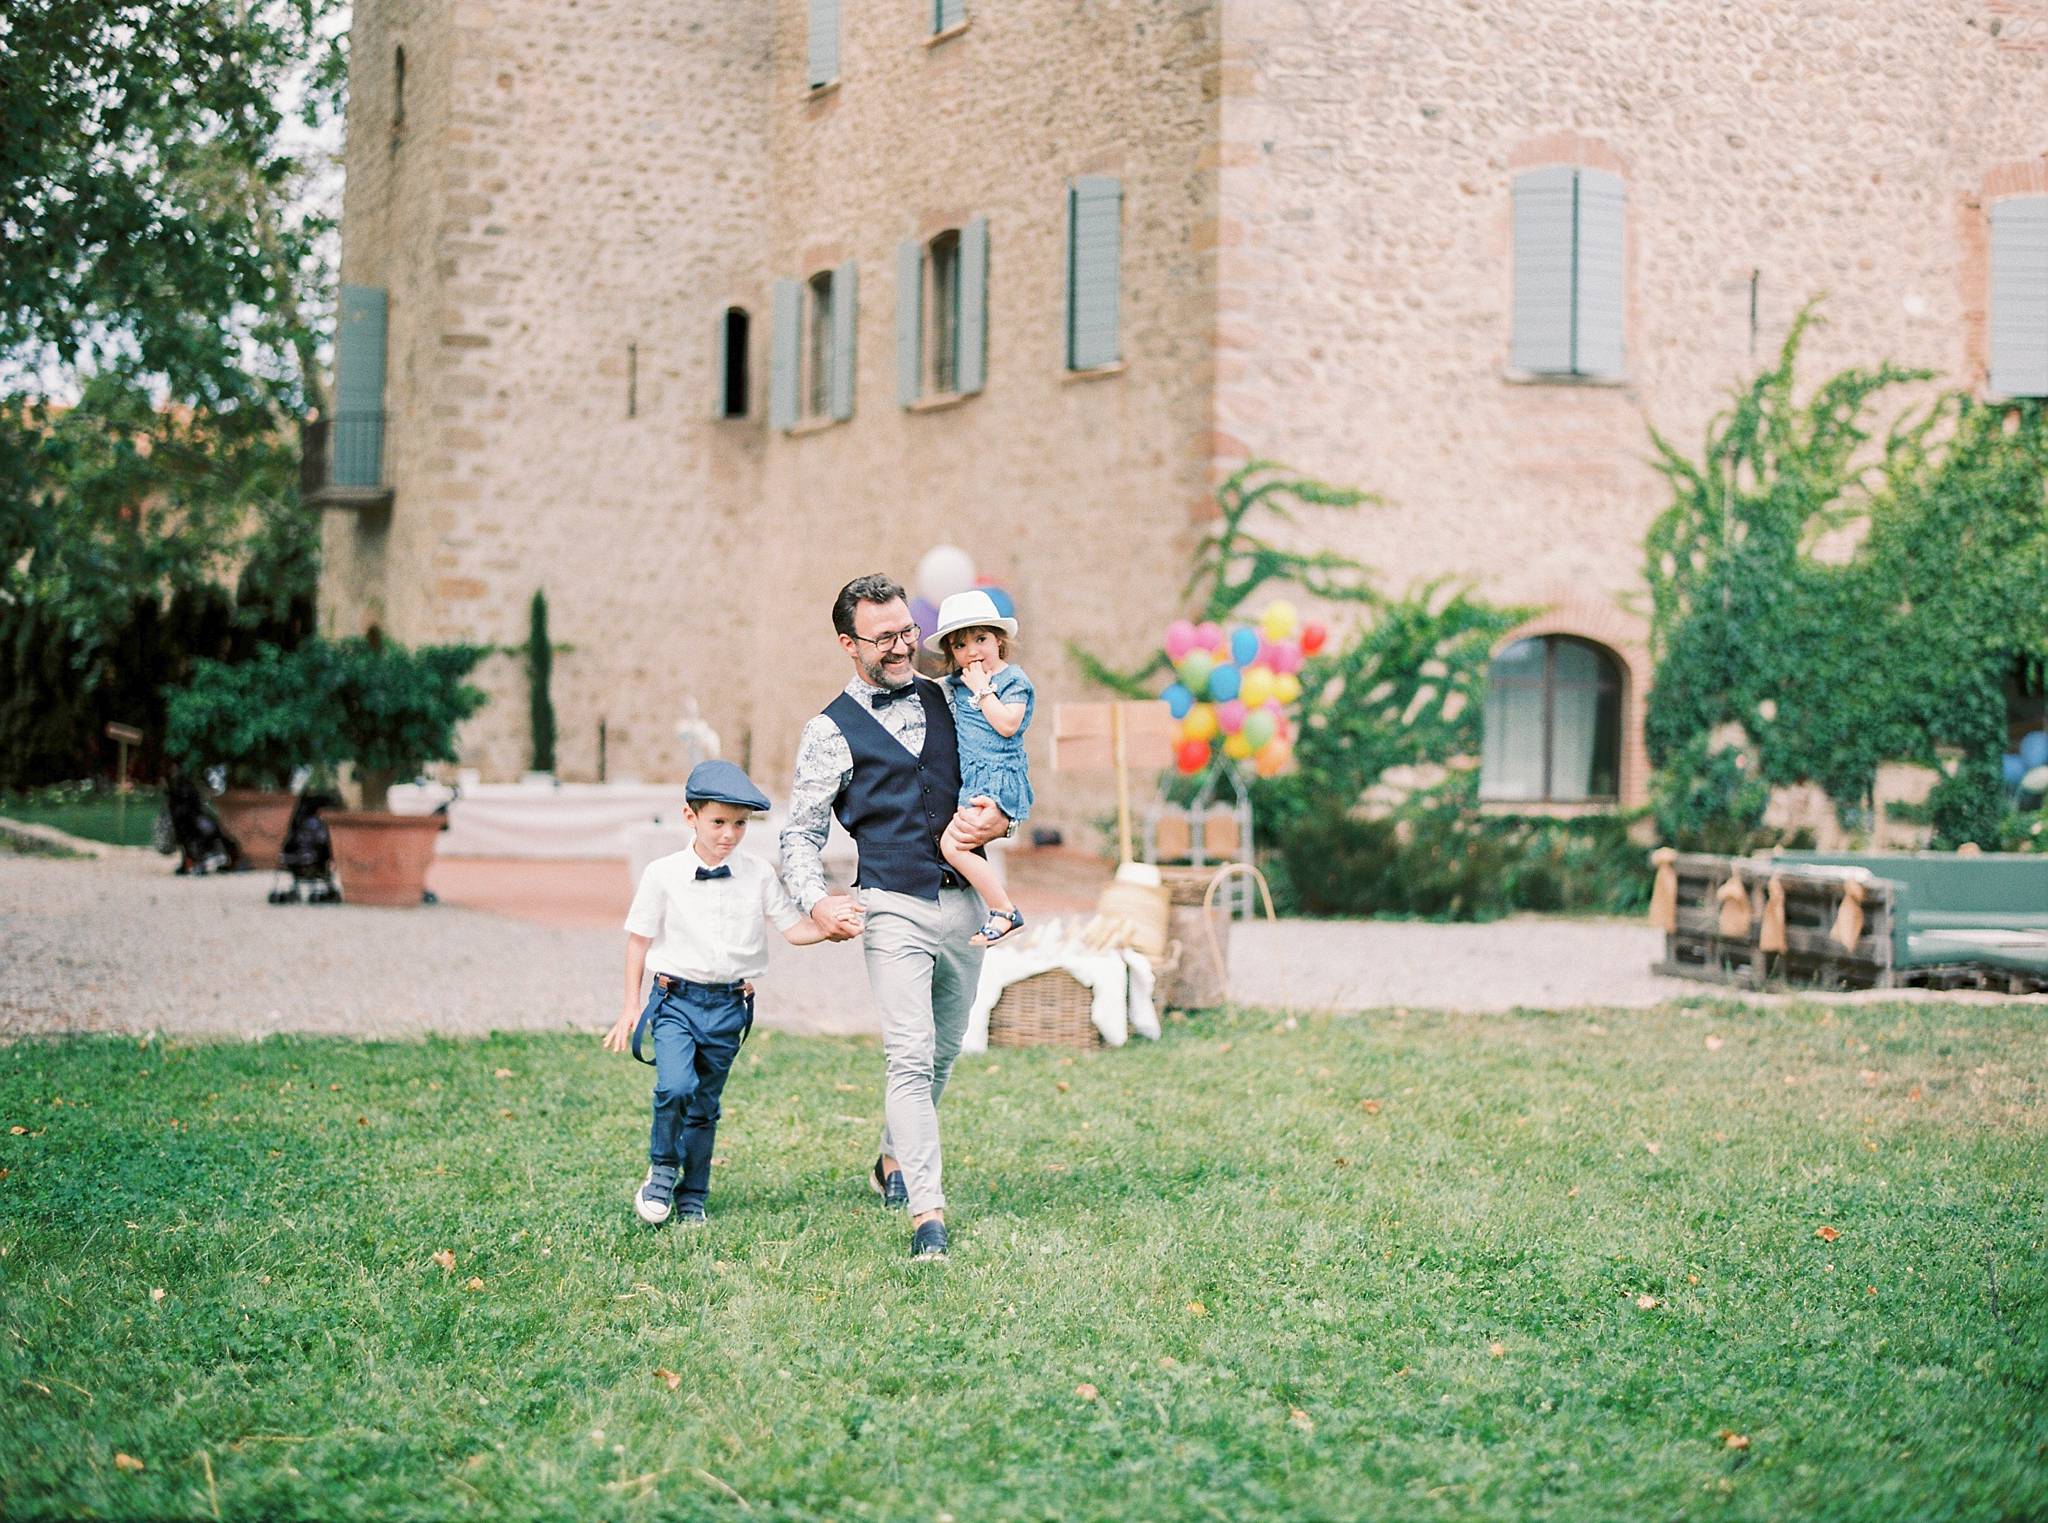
x,y
654,1213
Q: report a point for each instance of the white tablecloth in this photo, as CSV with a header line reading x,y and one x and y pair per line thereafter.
x,y
541,820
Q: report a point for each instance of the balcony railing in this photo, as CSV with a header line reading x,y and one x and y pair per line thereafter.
x,y
342,460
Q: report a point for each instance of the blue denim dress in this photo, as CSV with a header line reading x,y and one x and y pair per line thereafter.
x,y
991,764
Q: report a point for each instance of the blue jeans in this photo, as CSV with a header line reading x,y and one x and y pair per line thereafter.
x,y
697,1034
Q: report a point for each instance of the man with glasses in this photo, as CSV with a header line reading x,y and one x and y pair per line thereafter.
x,y
884,758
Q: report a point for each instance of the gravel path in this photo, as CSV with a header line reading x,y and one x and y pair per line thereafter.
x,y
118,944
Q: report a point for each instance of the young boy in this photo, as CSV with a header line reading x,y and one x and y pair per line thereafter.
x,y
696,925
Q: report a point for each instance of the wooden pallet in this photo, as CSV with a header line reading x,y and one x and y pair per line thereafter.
x,y
1811,959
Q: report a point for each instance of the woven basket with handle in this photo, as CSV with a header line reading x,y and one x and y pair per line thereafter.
x,y
1052,1009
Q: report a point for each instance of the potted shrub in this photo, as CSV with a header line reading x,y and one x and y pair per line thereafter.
x,y
394,711
259,721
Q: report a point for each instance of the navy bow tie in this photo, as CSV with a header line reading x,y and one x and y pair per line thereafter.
x,y
713,872
882,697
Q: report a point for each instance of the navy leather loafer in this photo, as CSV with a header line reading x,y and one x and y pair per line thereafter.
x,y
889,1186
928,1241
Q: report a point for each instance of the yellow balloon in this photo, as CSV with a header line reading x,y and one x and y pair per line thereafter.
x,y
1279,621
1200,723
1273,757
1287,687
1256,687
1237,747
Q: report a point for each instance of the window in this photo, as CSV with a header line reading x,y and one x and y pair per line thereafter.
x,y
823,59
947,14
1553,723
944,362
818,353
810,348
942,314
732,363
1568,273
398,89
1094,257
357,437
2019,297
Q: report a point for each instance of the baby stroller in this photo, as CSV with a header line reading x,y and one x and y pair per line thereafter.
x,y
188,828
305,862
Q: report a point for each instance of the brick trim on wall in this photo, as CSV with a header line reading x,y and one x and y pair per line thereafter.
x,y
2015,177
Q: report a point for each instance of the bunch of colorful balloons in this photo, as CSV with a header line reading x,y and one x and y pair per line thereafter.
x,y
1237,686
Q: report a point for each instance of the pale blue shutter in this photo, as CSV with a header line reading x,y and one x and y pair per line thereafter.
x,y
1542,332
785,353
972,338
824,52
843,303
948,13
909,321
356,437
1094,234
1598,300
2019,297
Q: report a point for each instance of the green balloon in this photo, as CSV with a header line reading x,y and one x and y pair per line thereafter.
x,y
1194,670
1258,727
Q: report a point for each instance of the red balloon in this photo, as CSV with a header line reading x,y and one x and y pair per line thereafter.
x,y
1191,756
1312,637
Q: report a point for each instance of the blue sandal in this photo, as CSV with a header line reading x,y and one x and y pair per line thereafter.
x,y
999,924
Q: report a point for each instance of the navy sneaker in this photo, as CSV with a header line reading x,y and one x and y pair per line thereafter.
x,y
690,1213
928,1241
656,1191
889,1186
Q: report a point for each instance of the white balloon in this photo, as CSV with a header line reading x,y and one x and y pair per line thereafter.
x,y
945,570
2036,781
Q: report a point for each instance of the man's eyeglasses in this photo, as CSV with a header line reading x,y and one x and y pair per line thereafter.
x,y
907,638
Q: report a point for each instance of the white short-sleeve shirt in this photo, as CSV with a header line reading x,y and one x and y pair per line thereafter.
x,y
709,931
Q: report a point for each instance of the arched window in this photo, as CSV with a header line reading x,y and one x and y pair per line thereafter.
x,y
397,89
732,363
1553,723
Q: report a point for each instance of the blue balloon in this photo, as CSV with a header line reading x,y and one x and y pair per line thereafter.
x,y
1225,683
1006,607
1178,700
1244,646
2014,767
2034,749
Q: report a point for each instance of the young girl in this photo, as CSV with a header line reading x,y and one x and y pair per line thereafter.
x,y
992,703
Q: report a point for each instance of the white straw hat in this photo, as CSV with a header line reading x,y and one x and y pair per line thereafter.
x,y
967,610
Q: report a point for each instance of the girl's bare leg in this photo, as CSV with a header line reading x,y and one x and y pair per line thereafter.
x,y
979,872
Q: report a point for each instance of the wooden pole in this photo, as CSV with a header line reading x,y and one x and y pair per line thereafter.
x,y
1123,781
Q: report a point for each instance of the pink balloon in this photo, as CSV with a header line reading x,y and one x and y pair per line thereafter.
x,y
1209,637
1230,716
1180,639
1286,657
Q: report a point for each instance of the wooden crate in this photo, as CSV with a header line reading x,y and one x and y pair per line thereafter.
x,y
1811,958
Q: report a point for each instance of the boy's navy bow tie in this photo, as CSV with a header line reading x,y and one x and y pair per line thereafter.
x,y
713,872
882,697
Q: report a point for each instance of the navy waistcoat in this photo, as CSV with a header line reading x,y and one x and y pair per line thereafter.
x,y
896,806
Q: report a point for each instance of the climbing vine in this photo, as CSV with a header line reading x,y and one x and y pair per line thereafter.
x,y
1827,597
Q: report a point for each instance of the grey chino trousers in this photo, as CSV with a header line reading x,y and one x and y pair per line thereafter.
x,y
923,974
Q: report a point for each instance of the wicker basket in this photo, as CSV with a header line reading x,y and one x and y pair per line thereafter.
x,y
1054,1008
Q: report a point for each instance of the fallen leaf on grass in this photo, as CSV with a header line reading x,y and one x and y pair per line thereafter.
x,y
1370,1107
446,1259
1715,1043
845,1089
1572,1193
156,1294
1870,1290
127,1462
472,1283
1496,1348
1301,1420
17,1131
1086,1391
476,1462
1168,1362
1646,1303
503,1073
1197,1309
1867,1075
1225,1048
1826,1234
1692,1279
365,1120
1056,1168
993,1068
718,1163
1734,1440
668,1378
1062,1086
1913,1093
1343,1162
1653,1148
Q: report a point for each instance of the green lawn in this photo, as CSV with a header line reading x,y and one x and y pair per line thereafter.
x,y
95,815
1383,1267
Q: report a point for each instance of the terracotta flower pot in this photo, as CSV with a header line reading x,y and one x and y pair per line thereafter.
x,y
257,820
380,858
